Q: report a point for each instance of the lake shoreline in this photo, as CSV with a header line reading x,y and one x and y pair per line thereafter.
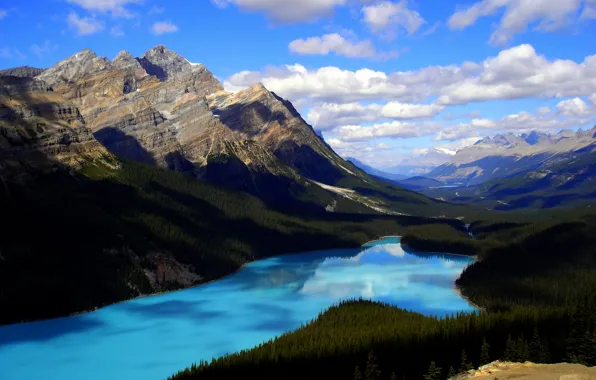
x,y
219,278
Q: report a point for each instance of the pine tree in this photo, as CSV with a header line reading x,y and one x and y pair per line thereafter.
x,y
451,372
578,325
434,372
372,371
510,354
465,365
538,353
357,373
484,352
523,351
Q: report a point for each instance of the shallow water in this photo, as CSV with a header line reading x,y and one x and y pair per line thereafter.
x,y
153,337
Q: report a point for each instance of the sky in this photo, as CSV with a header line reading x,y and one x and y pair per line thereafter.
x,y
388,82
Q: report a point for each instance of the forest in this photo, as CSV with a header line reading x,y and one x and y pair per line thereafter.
x,y
73,242
533,284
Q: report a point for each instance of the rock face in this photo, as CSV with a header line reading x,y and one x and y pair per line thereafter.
x,y
161,109
529,371
75,67
22,72
39,130
163,63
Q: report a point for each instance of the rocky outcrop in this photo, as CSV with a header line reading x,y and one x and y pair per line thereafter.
x,y
529,371
74,68
41,131
164,63
22,72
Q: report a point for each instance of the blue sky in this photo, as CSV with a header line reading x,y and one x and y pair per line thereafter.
x,y
385,81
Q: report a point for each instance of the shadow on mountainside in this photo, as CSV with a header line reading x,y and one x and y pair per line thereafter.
x,y
123,145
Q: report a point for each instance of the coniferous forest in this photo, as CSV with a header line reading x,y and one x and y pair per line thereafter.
x,y
75,242
534,284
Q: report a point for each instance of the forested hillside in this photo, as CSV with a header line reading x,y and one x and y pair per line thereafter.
x,y
534,283
75,241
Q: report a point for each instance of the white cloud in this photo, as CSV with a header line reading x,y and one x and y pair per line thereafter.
x,y
515,73
116,8
330,115
41,51
336,43
545,15
286,11
84,26
574,107
386,16
3,13
394,129
572,113
116,31
159,28
543,110
592,98
452,147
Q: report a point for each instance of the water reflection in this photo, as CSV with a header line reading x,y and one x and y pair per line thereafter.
x,y
152,337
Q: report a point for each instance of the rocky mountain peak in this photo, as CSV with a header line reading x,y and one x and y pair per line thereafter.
x,y
125,61
123,55
164,63
535,137
75,67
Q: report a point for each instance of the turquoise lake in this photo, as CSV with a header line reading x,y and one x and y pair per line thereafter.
x,y
153,337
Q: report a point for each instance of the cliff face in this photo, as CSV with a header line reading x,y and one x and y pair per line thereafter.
x,y
40,130
161,109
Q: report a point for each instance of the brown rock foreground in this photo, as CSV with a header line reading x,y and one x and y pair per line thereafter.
x,y
530,371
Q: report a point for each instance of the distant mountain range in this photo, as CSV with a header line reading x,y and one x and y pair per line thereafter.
x,y
505,155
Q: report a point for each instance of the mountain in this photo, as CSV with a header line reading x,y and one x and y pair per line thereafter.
x,y
22,72
132,176
563,179
509,154
161,110
376,172
39,130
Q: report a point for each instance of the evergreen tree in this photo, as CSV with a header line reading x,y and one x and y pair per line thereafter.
x,y
393,376
465,365
434,372
372,371
451,372
538,353
578,325
357,373
510,350
484,352
523,351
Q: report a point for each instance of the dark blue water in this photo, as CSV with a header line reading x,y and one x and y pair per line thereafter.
x,y
153,337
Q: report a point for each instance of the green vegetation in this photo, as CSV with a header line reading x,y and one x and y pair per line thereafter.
x,y
75,242
439,238
535,282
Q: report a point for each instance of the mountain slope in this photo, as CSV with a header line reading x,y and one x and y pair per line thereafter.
x,y
162,110
565,179
509,154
